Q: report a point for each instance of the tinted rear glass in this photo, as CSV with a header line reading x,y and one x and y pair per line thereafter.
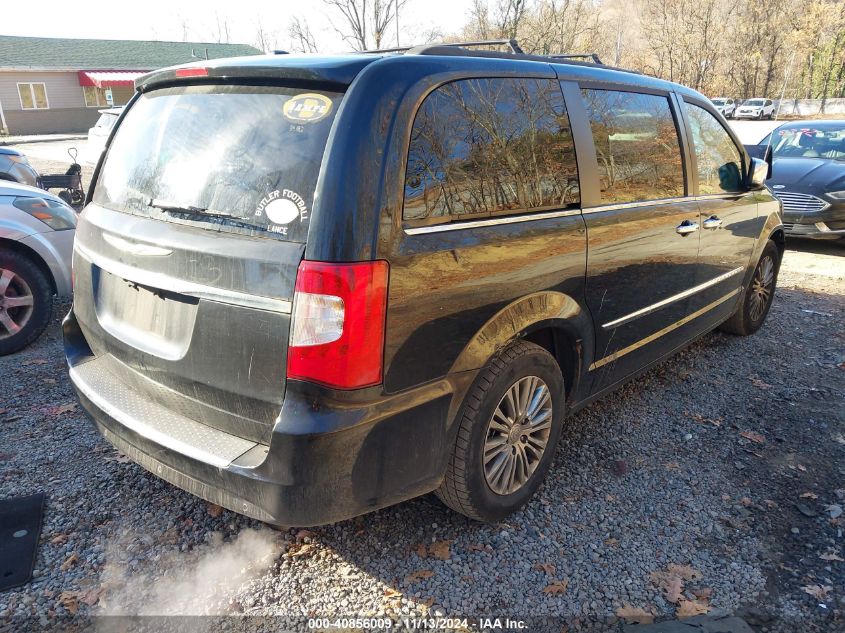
x,y
237,158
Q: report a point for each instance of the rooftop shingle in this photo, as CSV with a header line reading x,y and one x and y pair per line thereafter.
x,y
49,53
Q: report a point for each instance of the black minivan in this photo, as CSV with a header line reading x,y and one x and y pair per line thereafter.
x,y
309,287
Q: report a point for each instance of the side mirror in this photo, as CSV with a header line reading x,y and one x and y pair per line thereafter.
x,y
758,173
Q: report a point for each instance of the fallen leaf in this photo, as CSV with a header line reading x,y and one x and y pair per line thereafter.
x,y
673,589
754,437
416,576
556,588
611,542
472,547
802,468
303,534
704,593
609,498
65,408
70,601
745,501
117,457
690,608
214,510
428,602
302,549
545,567
672,466
59,539
819,592
831,555
92,596
441,550
35,361
635,615
421,550
760,384
391,593
809,495
70,561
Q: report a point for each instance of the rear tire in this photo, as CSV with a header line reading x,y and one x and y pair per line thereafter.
x,y
757,297
516,404
26,302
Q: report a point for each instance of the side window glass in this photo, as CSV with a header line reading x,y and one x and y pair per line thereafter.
x,y
719,160
482,147
637,146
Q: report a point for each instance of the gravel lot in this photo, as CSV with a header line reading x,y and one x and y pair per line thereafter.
x,y
713,481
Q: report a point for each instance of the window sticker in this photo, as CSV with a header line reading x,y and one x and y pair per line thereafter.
x,y
308,107
281,208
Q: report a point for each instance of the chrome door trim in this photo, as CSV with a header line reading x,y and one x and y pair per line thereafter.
x,y
669,300
182,286
511,219
616,206
669,328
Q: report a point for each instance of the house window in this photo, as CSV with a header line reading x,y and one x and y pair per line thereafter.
x,y
33,96
95,97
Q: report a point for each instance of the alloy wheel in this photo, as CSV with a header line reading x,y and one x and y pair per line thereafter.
x,y
16,303
517,435
761,288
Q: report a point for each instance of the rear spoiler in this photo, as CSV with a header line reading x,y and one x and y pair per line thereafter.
x,y
336,75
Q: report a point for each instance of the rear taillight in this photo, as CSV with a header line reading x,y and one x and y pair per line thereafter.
x,y
337,326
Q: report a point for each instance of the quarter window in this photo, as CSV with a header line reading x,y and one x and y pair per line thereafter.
x,y
482,147
719,161
637,146
33,96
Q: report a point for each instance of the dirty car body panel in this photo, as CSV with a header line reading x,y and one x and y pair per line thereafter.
x,y
178,340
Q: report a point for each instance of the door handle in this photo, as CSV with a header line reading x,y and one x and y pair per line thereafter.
x,y
686,227
712,222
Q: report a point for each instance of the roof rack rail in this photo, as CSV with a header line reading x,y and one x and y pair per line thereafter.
x,y
461,48
513,44
592,56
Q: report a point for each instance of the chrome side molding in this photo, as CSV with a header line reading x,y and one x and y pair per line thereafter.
x,y
669,300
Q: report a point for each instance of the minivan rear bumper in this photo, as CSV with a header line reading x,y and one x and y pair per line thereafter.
x,y
327,459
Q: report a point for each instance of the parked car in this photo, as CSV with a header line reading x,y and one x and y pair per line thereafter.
x,y
808,176
756,109
15,167
98,134
726,107
336,283
36,244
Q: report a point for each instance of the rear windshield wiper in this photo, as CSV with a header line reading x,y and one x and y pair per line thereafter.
x,y
176,209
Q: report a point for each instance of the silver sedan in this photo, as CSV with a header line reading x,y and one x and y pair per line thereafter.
x,y
36,246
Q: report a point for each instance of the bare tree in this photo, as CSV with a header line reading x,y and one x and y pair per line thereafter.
x,y
302,39
264,40
365,21
222,31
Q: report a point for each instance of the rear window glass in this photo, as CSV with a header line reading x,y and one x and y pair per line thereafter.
x,y
238,158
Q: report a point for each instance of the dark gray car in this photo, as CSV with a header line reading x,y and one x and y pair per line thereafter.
x,y
15,166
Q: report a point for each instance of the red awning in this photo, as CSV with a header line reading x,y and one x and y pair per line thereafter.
x,y
108,78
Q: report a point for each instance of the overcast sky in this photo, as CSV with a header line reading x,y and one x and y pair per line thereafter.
x,y
158,19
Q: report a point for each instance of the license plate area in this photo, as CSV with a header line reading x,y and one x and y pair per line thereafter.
x,y
152,320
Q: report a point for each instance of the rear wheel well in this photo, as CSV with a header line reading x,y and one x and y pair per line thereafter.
x,y
17,247
779,238
563,347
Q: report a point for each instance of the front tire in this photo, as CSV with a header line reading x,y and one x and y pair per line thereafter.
x,y
757,298
509,426
26,302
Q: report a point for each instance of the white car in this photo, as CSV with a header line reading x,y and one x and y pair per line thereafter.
x,y
36,244
726,107
98,134
756,109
